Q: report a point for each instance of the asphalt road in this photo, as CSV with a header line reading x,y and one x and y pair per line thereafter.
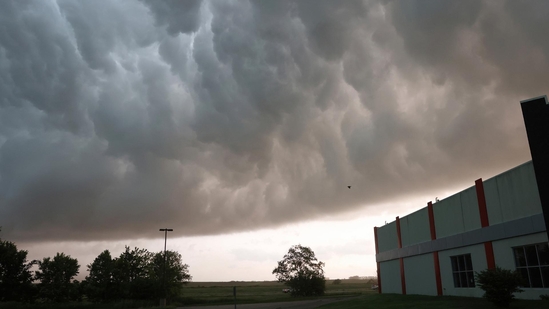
x,y
305,304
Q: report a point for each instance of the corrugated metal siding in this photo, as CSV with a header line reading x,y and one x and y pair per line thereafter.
x,y
387,237
390,277
512,195
419,274
415,228
457,214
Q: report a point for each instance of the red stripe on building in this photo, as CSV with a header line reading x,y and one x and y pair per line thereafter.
x,y
490,260
399,238
484,222
377,251
435,254
375,239
378,280
432,221
482,203
437,273
402,277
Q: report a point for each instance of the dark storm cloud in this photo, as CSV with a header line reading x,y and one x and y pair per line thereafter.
x,y
120,117
177,16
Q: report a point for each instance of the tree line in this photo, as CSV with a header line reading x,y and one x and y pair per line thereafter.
x,y
135,274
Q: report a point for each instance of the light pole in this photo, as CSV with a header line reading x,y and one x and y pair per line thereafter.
x,y
163,300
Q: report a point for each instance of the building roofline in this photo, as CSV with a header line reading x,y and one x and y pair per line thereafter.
x,y
456,193
536,98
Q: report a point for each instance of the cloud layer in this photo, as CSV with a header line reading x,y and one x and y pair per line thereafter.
x,y
120,117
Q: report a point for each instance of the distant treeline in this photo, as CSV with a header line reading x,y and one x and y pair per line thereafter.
x,y
135,274
362,277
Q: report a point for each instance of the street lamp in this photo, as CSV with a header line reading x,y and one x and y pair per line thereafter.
x,y
163,300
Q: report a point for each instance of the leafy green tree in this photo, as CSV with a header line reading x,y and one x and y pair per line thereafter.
x,y
131,274
301,271
135,274
499,285
15,274
176,273
55,277
100,285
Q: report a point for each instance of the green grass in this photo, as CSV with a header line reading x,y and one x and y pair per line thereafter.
x,y
394,301
80,305
260,292
215,293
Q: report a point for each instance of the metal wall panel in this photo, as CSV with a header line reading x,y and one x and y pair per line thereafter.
x,y
470,209
457,214
390,277
415,228
419,272
513,194
492,201
448,216
387,237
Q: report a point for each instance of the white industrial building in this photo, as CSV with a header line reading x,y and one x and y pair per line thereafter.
x,y
498,221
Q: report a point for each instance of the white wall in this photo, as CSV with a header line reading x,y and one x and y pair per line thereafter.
x,y
478,257
503,254
390,277
419,273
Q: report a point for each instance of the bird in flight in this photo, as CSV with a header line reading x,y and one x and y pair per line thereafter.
x,y
349,187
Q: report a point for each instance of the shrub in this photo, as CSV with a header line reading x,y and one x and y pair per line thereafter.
x,y
336,281
499,285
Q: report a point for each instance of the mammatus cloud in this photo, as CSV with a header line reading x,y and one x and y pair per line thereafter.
x,y
120,117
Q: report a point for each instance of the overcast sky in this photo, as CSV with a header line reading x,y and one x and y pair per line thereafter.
x,y
221,118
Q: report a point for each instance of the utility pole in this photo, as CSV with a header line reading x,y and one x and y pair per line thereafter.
x,y
163,300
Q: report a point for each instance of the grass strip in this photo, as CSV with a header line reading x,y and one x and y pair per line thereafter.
x,y
397,301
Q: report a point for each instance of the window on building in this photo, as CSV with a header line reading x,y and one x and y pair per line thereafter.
x,y
532,263
462,269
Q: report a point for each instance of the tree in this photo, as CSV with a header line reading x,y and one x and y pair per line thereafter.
x,y
499,285
301,271
131,274
55,277
15,274
176,273
100,285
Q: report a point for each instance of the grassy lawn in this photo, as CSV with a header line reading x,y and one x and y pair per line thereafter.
x,y
215,293
80,305
394,301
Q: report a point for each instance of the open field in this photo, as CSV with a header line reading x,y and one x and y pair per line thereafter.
x,y
265,291
394,301
216,293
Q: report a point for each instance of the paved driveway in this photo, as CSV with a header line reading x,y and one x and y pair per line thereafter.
x,y
305,304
